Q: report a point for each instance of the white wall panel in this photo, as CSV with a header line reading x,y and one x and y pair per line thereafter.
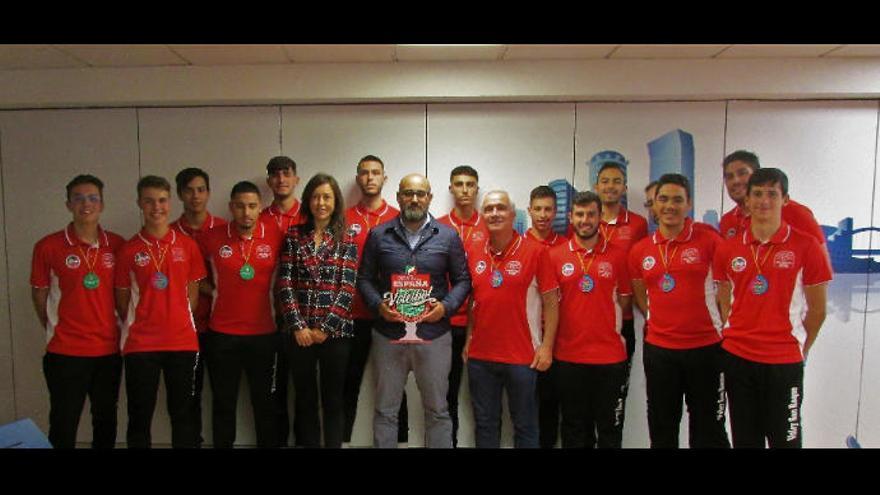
x,y
42,151
628,128
230,144
827,150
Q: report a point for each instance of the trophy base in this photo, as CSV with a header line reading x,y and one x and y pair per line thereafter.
x,y
410,337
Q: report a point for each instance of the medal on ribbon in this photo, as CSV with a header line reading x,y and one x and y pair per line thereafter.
x,y
760,285
91,281
586,283
159,281
667,282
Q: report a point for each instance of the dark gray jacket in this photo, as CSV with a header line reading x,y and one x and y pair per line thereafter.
x,y
439,253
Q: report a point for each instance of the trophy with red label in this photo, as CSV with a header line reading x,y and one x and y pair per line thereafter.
x,y
411,297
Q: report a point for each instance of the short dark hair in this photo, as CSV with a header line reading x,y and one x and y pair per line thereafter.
x,y
464,170
744,156
370,158
605,166
650,185
244,187
769,177
85,179
153,182
280,163
584,198
542,192
678,180
337,218
185,176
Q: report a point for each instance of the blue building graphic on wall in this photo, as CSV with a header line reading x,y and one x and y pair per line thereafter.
x,y
564,194
843,256
521,222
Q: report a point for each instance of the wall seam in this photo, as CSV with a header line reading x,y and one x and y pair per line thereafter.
x,y
8,287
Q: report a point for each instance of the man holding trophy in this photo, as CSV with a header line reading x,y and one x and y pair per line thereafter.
x,y
414,274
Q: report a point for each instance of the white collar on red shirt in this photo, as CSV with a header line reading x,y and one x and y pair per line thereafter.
x,y
622,217
684,236
173,237
517,239
779,237
574,246
460,223
181,222
262,231
364,212
70,238
549,241
275,211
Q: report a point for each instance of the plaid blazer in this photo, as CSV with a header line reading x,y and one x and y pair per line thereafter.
x,y
315,286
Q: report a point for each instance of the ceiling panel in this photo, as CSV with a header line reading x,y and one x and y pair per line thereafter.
x,y
123,55
856,51
551,52
434,53
340,53
231,54
35,57
667,51
767,51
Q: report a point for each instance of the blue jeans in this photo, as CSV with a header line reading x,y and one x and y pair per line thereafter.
x,y
487,380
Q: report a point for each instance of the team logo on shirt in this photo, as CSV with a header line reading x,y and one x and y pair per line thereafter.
x,y
690,256
513,267
477,236
738,264
264,251
784,259
225,251
606,270
178,254
141,259
355,229
731,232
567,269
648,263
108,260
481,267
72,262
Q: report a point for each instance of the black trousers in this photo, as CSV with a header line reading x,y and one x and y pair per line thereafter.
x,y
142,370
200,384
332,359
459,337
354,375
765,402
70,379
590,396
226,357
548,407
282,376
696,375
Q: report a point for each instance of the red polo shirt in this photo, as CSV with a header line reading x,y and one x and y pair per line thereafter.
x,y
361,221
242,307
623,232
687,316
82,322
507,318
159,319
735,222
283,220
554,239
590,322
202,314
769,328
471,232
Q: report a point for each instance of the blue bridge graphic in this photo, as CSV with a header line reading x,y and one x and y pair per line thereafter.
x,y
843,256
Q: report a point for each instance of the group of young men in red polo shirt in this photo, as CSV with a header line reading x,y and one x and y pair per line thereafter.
x,y
549,320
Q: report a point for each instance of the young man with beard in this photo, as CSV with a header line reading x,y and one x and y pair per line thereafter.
x,y
242,336
361,219
413,244
72,292
590,352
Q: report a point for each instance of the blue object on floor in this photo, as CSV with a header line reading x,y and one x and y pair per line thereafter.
x,y
23,434
852,443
